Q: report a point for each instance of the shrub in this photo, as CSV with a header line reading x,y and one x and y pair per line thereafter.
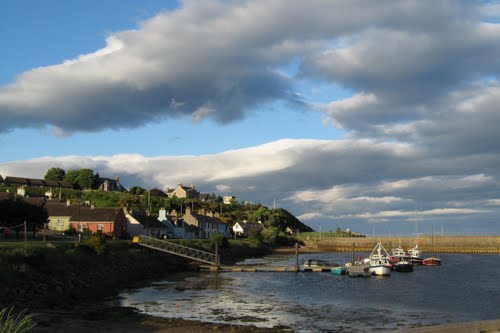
x,y
10,323
220,240
97,243
71,231
255,237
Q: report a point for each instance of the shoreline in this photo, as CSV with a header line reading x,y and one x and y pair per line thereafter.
x,y
106,318
98,314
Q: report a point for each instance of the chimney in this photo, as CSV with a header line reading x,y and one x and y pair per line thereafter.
x,y
173,213
192,187
117,179
92,207
188,210
68,202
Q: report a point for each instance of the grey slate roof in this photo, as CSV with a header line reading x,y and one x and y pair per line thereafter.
x,y
148,221
36,182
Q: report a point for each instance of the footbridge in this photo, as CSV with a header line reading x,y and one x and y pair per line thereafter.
x,y
205,257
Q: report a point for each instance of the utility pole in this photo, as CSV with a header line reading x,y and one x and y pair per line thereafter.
x,y
25,232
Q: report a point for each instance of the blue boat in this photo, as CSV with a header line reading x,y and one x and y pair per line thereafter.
x,y
338,271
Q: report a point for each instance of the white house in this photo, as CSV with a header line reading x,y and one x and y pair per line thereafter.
x,y
242,229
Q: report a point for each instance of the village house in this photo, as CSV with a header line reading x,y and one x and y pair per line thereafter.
x,y
150,225
60,214
109,221
180,228
24,182
134,227
243,229
1,180
228,199
183,192
86,218
208,223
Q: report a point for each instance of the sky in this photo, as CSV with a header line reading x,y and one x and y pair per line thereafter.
x,y
378,116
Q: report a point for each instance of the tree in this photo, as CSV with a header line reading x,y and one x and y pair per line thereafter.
x,y
13,214
82,178
137,190
55,174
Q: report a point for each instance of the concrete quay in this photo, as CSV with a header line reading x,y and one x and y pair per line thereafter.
x,y
426,243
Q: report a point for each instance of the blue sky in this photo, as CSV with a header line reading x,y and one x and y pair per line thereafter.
x,y
346,120
37,35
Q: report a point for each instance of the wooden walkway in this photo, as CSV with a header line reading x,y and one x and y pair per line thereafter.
x,y
282,269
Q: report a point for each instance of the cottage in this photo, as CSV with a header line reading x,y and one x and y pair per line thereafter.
x,y
150,225
183,192
243,229
208,223
229,199
20,181
180,228
134,227
60,214
109,221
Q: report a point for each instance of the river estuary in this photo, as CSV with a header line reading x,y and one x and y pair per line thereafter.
x,y
465,288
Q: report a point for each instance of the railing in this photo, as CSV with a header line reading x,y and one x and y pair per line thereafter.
x,y
178,250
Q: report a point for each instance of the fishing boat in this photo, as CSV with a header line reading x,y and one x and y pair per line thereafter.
x,y
415,256
397,254
403,266
379,261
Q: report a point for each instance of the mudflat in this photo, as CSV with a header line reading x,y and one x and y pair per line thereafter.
x,y
103,318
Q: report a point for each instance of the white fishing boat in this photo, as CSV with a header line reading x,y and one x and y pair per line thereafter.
x,y
397,254
379,261
414,256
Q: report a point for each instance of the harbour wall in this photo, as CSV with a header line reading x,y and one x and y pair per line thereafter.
x,y
427,244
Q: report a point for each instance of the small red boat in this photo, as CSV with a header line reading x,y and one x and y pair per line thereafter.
x,y
432,261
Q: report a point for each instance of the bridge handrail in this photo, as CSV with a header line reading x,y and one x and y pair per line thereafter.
x,y
181,250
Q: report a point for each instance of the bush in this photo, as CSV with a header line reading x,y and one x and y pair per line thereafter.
x,y
219,240
71,231
10,323
255,237
97,242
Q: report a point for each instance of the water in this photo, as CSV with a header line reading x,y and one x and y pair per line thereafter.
x,y
464,288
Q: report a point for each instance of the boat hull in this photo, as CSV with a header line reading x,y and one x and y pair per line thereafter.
x,y
380,270
338,271
403,268
432,261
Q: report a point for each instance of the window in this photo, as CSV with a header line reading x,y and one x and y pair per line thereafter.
x,y
100,227
80,227
60,222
